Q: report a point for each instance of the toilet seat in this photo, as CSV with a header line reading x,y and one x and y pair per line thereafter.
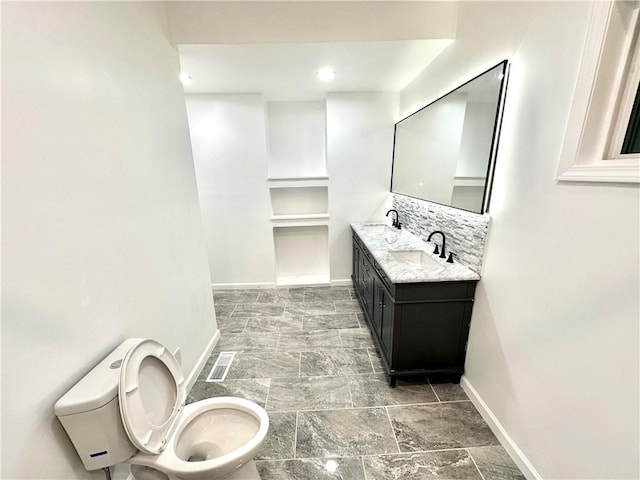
x,y
151,394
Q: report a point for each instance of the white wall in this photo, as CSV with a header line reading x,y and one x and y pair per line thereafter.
x,y
359,149
553,349
102,236
230,154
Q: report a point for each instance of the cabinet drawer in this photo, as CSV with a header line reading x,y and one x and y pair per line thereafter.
x,y
411,292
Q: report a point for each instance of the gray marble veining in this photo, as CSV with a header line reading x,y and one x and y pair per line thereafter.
x,y
281,439
330,322
349,468
347,306
309,340
376,360
335,362
224,309
231,324
252,389
246,342
258,309
282,323
495,463
350,432
264,365
439,426
310,308
356,338
450,465
321,294
379,244
449,392
373,390
308,393
281,295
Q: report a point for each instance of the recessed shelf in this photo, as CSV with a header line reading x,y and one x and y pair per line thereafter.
x,y
299,201
297,179
302,254
302,222
310,216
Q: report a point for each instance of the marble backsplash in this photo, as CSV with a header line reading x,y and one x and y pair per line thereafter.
x,y
466,232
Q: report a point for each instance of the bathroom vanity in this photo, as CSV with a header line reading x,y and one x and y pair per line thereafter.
x,y
418,306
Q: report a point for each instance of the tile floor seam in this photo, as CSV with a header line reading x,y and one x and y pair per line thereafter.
x,y
266,398
395,437
369,455
369,407
350,394
434,390
364,470
295,438
474,462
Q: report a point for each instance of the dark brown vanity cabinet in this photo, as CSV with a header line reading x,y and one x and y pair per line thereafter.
x,y
419,328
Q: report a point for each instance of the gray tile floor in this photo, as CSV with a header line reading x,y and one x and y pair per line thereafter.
x,y
306,356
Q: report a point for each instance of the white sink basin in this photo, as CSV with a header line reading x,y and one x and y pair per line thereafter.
x,y
416,258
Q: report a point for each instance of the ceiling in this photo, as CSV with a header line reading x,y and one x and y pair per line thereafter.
x,y
287,71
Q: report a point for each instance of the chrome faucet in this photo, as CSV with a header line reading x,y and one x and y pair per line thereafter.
x,y
396,221
444,242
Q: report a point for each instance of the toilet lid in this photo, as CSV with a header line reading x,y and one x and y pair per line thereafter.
x,y
151,393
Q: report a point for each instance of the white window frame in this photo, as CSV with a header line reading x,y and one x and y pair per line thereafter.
x,y
603,99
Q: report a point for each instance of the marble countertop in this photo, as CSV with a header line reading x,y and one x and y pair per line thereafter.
x,y
381,239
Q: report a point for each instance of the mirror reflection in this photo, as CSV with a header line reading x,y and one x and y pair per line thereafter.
x,y
445,152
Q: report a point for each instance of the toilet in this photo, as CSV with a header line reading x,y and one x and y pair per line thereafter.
x,y
131,409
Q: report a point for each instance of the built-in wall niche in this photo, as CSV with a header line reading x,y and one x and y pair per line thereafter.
x,y
296,134
302,254
299,202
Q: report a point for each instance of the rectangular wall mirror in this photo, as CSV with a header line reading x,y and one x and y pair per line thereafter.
x,y
445,152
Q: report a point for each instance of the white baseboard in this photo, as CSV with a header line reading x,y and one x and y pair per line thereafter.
x,y
240,286
498,430
342,283
202,360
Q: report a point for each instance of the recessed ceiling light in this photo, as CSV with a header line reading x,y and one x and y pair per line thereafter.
x,y
326,74
185,78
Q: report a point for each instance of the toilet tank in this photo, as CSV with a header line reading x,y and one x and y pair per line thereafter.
x,y
90,413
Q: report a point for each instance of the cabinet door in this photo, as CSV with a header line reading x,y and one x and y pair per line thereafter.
x,y
386,308
433,335
383,319
368,286
378,304
356,267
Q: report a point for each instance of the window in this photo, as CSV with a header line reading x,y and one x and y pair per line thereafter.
x,y
602,141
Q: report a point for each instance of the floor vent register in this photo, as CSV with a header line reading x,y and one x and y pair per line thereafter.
x,y
220,369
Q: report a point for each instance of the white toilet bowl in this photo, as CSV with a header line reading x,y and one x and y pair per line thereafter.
x,y
214,439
